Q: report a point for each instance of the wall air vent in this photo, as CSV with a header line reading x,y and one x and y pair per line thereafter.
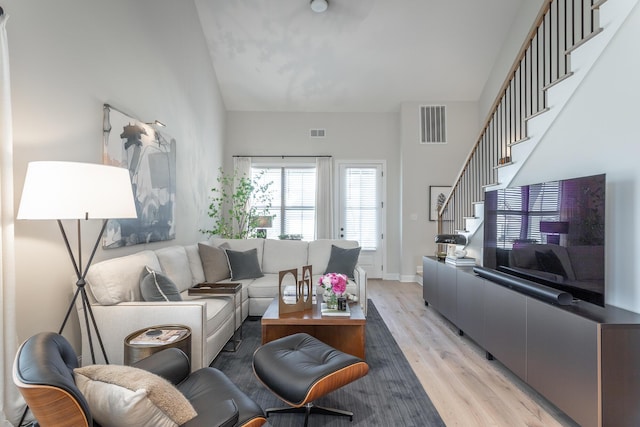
x,y
317,133
433,124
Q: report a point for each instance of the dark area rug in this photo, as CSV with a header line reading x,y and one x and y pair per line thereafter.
x,y
390,395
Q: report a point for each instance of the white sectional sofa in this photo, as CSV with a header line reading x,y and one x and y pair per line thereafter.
x,y
113,287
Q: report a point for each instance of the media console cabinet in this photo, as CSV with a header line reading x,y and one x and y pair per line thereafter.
x,y
583,358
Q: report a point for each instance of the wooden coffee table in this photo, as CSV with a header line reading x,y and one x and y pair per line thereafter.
x,y
343,333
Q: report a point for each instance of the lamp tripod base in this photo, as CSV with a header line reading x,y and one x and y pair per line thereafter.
x,y
88,313
81,289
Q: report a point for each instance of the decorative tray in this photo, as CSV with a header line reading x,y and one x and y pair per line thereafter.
x,y
215,288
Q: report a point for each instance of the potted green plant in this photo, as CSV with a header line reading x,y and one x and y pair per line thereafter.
x,y
234,205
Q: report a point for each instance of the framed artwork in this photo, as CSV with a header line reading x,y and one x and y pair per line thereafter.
x,y
437,196
150,157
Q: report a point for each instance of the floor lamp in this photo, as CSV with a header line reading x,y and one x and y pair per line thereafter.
x,y
80,191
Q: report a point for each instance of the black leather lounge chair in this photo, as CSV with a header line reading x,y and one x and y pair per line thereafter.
x,y
44,373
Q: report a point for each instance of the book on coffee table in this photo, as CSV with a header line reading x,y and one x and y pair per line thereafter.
x,y
289,295
334,312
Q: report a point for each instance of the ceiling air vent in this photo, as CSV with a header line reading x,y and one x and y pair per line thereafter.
x,y
317,133
433,124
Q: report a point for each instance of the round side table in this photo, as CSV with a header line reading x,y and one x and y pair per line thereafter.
x,y
145,342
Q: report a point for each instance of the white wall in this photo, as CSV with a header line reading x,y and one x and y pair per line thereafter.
x,y
68,57
349,136
392,137
425,165
598,133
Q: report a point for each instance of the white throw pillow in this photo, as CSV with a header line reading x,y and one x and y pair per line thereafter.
x,y
123,396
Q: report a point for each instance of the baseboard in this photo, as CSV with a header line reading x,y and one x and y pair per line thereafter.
x,y
404,278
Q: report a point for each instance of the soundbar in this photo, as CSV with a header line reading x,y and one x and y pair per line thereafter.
x,y
525,286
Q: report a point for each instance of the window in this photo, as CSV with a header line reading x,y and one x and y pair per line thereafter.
x,y
293,201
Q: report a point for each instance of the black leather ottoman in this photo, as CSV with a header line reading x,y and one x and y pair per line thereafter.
x,y
300,368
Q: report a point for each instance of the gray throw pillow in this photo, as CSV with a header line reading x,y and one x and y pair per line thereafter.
x,y
155,286
343,260
214,262
244,265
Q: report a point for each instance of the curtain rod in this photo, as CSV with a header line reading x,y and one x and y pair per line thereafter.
x,y
283,155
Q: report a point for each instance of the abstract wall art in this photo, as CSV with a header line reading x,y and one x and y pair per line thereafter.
x,y
150,157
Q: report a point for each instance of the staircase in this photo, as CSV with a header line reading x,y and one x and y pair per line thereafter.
x,y
565,41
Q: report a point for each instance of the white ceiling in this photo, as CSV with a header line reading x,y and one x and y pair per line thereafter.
x,y
358,56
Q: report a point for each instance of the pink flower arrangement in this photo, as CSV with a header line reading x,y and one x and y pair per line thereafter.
x,y
333,282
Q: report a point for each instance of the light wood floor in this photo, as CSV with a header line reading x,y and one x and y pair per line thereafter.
x,y
466,388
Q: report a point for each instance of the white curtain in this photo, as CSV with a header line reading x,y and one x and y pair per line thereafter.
x,y
324,198
12,404
242,168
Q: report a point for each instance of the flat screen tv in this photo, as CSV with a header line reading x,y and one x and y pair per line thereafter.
x,y
552,233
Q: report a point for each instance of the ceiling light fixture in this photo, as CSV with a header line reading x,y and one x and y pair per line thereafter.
x,y
319,6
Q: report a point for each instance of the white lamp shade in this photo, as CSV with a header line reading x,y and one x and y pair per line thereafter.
x,y
70,190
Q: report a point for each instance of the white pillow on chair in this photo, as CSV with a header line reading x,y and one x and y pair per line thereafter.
x,y
123,396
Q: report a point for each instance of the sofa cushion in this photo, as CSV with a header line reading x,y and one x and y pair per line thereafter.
x,y
195,263
155,286
214,262
126,396
175,264
264,287
243,265
284,255
320,252
219,311
343,260
117,280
